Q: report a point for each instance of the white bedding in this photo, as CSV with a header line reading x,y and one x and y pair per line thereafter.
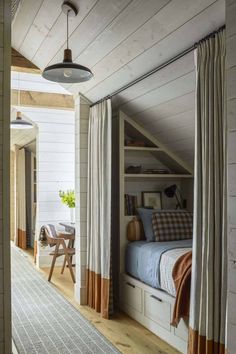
x,y
167,263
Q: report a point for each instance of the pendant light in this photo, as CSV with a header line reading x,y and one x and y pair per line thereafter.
x,y
20,123
67,71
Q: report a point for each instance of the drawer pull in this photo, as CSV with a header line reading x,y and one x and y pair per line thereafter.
x,y
156,298
133,286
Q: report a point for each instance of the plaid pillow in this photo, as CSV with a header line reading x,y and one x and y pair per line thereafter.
x,y
172,225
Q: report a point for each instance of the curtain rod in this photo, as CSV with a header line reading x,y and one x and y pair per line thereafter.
x,y
160,67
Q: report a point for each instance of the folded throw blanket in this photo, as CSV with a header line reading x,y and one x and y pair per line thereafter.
x,y
182,279
42,237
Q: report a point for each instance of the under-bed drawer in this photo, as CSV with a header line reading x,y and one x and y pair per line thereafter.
x,y
131,295
157,309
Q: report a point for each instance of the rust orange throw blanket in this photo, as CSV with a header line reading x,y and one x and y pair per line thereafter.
x,y
182,279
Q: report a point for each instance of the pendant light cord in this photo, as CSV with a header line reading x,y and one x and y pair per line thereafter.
x,y
67,29
18,94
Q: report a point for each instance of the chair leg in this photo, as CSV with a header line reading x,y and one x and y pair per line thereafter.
x,y
53,263
64,264
70,266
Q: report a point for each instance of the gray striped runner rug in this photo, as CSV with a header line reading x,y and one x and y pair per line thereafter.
x,y
43,321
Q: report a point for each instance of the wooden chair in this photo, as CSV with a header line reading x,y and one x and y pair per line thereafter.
x,y
58,239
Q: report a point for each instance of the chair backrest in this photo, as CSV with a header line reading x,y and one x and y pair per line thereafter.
x,y
50,231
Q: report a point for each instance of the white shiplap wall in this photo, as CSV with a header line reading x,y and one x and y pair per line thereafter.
x,y
5,295
55,152
81,157
231,117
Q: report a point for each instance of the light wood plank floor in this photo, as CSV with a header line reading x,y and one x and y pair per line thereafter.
x,y
123,332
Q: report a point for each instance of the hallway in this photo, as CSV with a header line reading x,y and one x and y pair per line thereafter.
x,y
44,321
127,335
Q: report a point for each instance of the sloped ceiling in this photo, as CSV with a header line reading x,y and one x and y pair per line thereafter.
x,y
121,40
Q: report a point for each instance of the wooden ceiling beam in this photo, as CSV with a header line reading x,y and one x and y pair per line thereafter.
x,y
42,100
21,64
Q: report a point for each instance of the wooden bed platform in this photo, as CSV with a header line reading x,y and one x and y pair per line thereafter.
x,y
152,308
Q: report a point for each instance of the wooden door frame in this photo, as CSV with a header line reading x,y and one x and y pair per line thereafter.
x,y
6,177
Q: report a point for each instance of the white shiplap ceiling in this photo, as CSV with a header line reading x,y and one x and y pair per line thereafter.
x,y
121,40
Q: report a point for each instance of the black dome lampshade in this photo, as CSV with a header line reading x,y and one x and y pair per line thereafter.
x,y
67,71
20,123
171,192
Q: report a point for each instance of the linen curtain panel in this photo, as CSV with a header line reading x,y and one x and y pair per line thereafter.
x,y
99,208
209,269
21,240
28,197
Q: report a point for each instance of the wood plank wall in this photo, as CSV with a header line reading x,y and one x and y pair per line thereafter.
x,y
81,157
231,118
5,309
55,153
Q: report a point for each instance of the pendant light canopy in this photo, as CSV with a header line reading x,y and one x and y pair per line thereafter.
x,y
20,123
67,71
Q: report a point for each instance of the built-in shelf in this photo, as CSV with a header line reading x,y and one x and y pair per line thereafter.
x,y
153,156
168,175
142,148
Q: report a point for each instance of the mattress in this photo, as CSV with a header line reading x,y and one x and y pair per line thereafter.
x,y
167,263
152,262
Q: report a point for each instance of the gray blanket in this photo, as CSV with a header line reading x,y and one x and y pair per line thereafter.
x,y
143,259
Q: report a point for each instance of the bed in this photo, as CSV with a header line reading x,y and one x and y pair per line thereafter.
x,y
153,262
151,271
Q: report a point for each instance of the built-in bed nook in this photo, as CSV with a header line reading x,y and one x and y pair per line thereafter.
x,y
164,230
156,222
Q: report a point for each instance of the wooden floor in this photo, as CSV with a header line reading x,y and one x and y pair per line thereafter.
x,y
123,332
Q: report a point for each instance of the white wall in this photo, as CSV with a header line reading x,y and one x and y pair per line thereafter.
x,y
231,117
55,152
5,294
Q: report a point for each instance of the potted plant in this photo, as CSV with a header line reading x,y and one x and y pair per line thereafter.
x,y
68,198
